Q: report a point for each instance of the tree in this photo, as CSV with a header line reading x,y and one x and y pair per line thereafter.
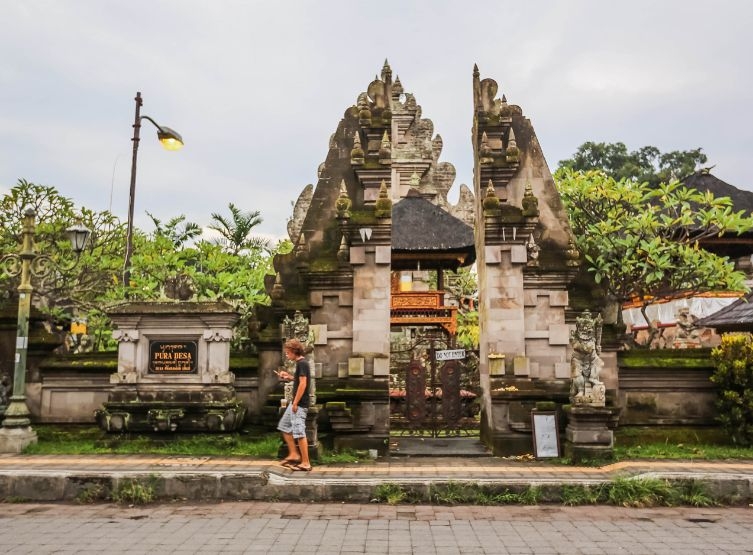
x,y
176,229
216,274
236,231
66,288
463,286
642,243
647,163
82,292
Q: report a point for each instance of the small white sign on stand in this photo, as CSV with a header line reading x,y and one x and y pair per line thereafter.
x,y
546,441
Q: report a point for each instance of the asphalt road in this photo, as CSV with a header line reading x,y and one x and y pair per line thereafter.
x,y
330,528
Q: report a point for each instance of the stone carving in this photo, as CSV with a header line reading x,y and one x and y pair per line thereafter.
x,y
343,202
530,202
125,336
299,212
217,335
687,336
572,255
357,154
532,250
343,252
586,364
179,287
383,207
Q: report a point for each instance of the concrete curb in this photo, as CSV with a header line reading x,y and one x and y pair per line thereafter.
x,y
274,483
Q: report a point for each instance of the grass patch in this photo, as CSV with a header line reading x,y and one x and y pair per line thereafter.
x,y
457,493
345,456
86,440
133,492
392,494
622,492
682,451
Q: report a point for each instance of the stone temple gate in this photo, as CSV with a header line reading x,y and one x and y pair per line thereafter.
x,y
342,272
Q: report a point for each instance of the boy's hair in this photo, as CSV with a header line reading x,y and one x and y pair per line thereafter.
x,y
295,347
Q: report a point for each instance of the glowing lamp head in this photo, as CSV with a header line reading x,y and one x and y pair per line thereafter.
x,y
170,139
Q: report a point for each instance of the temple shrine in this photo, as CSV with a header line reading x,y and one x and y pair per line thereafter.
x,y
375,240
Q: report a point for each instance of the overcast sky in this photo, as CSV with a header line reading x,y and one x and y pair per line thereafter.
x,y
256,88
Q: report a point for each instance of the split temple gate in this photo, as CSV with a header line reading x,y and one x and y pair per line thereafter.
x,y
377,220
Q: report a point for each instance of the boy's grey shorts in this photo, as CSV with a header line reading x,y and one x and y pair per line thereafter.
x,y
293,423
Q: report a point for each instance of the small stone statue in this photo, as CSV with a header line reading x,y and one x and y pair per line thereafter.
x,y
179,287
586,364
532,250
687,336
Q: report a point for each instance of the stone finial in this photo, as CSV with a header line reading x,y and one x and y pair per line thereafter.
x,y
343,202
504,108
386,71
572,254
586,364
364,113
415,181
278,291
491,202
356,154
530,202
512,153
383,207
485,150
254,326
343,252
476,73
397,87
385,149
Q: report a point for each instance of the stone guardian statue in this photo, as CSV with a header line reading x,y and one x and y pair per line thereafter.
x,y
585,363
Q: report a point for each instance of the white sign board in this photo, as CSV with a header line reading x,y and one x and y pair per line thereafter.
x,y
454,354
545,438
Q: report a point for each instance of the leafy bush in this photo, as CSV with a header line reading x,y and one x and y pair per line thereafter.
x,y
733,377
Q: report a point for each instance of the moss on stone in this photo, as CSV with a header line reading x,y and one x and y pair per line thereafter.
x,y
665,358
510,214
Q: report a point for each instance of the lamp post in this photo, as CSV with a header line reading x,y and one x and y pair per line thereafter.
x,y
16,432
171,140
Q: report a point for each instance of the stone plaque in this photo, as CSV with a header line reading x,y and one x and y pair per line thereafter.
x,y
173,357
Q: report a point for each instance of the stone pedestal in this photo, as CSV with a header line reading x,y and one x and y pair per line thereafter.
x,y
15,440
590,432
173,369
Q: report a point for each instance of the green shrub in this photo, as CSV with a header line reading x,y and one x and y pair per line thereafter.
x,y
733,377
132,492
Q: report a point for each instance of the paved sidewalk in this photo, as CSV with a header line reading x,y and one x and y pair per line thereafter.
x,y
347,528
62,477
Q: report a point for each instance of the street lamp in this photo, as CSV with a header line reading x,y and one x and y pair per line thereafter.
x,y
171,140
16,432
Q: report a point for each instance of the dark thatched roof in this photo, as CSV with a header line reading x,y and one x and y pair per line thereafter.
x,y
703,181
422,231
731,245
737,316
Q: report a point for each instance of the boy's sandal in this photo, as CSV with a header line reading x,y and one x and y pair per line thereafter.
x,y
299,468
290,462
